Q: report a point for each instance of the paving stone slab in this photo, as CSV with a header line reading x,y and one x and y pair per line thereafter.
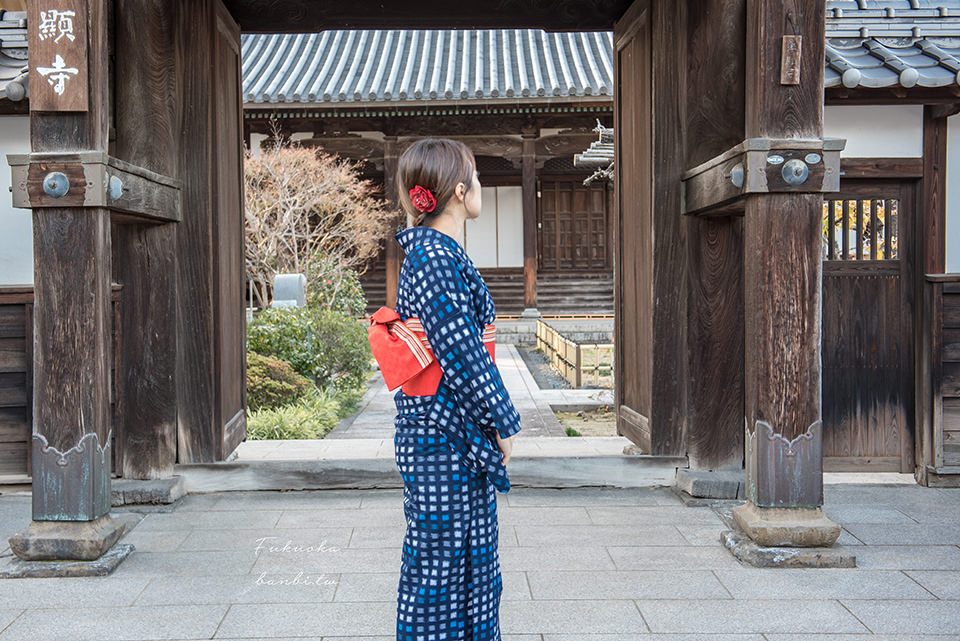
x,y
266,621
671,558
848,514
209,520
586,557
625,584
250,540
906,557
821,583
343,560
660,515
587,616
943,583
186,564
336,517
748,616
557,516
117,624
659,535
860,637
654,637
907,617
901,534
155,540
71,592
586,496
294,500
241,588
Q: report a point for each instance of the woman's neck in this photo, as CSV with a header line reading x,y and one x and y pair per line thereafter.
x,y
449,224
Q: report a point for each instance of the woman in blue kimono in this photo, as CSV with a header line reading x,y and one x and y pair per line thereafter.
x,y
451,446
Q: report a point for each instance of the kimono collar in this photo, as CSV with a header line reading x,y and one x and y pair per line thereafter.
x,y
423,235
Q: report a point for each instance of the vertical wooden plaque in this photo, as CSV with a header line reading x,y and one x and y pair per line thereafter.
x,y
57,41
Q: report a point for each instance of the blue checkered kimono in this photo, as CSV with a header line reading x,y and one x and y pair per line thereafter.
x,y
446,451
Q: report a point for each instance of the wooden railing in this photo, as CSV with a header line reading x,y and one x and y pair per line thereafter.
x,y
579,363
938,381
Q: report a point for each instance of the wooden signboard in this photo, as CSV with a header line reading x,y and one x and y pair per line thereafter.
x,y
57,42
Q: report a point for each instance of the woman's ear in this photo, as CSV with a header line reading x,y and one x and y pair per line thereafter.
x,y
460,190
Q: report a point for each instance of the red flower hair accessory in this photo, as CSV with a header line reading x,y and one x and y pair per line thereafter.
x,y
422,199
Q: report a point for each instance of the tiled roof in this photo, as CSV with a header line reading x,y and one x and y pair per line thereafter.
x,y
403,65
870,43
890,43
13,54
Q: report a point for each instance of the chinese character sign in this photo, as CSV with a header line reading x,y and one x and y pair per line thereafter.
x,y
57,42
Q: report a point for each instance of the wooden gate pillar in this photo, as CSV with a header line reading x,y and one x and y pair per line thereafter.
x,y
390,156
783,275
72,264
529,187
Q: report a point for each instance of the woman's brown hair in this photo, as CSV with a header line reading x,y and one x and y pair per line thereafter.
x,y
437,164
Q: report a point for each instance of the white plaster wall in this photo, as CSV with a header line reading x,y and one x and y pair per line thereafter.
x,y
880,131
510,226
480,236
16,225
953,194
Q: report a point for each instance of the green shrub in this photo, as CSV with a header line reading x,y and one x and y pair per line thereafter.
x,y
326,346
272,382
311,417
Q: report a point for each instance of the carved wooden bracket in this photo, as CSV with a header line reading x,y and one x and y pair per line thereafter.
x,y
761,165
93,179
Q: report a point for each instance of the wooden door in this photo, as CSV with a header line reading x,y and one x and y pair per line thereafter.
x,y
633,240
573,226
867,345
228,233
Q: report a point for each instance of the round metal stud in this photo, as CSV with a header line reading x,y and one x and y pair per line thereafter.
x,y
795,172
736,175
56,184
116,187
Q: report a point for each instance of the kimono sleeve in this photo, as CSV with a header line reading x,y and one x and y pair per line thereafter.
x,y
457,342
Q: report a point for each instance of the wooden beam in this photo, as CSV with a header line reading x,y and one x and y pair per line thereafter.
x,y
881,168
266,16
761,165
529,198
95,180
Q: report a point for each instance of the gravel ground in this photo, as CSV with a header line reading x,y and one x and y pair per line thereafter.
x,y
541,369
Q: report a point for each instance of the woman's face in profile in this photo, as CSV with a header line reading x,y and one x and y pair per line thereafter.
x,y
473,201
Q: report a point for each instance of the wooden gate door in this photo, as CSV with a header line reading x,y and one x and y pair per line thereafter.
x,y
867,346
633,262
228,221
573,225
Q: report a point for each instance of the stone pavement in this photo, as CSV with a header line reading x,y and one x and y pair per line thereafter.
x,y
374,418
579,564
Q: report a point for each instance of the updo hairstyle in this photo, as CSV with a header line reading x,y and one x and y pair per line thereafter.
x,y
437,164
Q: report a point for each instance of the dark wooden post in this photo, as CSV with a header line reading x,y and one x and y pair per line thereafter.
x,y
529,181
782,286
72,316
390,156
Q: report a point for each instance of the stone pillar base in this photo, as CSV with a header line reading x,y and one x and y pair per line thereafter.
x,y
786,527
67,540
530,312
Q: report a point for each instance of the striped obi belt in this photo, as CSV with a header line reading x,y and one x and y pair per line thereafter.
x,y
403,352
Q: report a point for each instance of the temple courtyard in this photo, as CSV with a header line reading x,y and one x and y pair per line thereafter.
x,y
578,563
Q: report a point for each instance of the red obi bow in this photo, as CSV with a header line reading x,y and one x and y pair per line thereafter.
x,y
403,352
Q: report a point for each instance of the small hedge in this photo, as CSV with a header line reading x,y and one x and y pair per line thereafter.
x,y
311,417
272,382
326,346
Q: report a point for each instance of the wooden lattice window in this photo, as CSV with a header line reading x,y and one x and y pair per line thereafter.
x,y
860,229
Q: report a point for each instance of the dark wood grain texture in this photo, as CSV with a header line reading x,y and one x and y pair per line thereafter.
x,y
528,186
